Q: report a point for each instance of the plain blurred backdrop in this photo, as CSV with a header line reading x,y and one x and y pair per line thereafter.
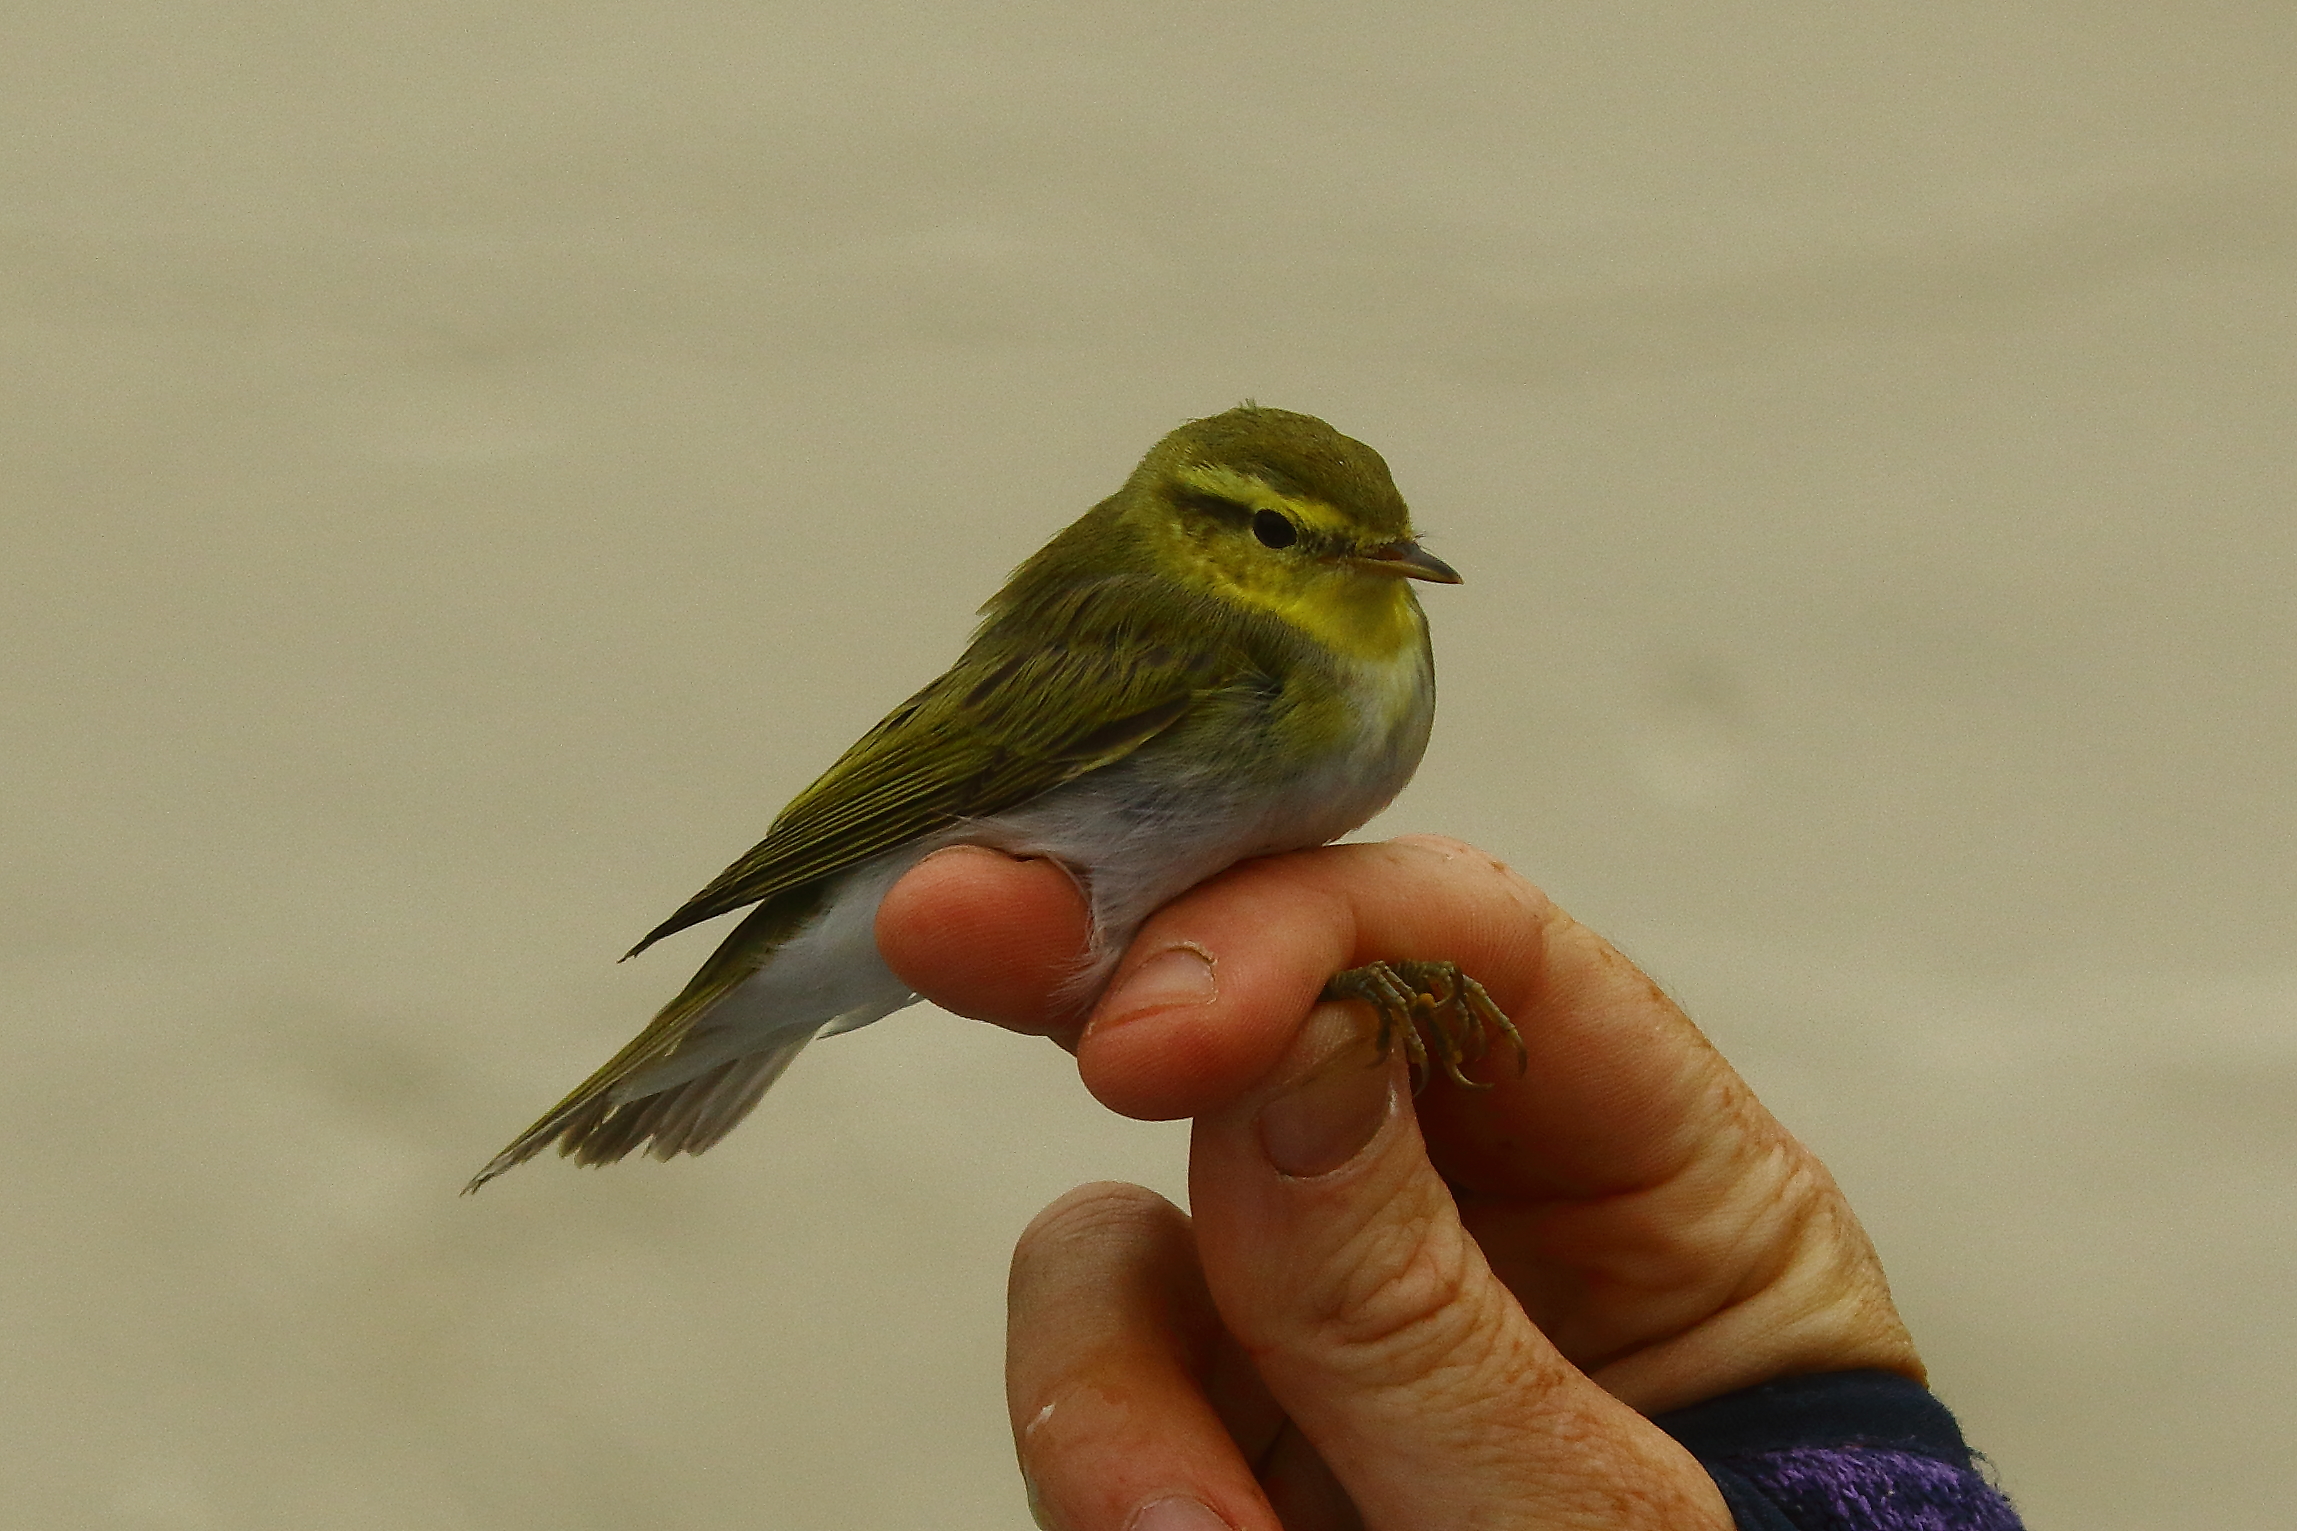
x,y
465,465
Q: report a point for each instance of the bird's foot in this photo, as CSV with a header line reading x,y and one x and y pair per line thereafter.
x,y
1442,1015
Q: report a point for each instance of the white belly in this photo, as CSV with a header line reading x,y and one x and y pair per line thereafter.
x,y
1147,830
1138,834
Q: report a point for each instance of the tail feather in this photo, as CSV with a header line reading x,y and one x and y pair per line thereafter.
x,y
685,1118
696,1115
605,1118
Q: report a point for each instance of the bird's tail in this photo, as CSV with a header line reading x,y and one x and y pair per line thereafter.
x,y
595,1128
613,1112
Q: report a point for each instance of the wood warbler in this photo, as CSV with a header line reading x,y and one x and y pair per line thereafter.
x,y
1223,659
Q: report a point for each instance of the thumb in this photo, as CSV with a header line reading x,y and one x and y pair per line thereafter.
x,y
1336,1256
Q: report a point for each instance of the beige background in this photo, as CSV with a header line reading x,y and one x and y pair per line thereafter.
x,y
464,465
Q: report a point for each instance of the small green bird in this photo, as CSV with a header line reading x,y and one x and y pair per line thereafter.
x,y
1223,659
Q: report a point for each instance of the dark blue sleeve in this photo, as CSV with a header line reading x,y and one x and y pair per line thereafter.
x,y
1846,1451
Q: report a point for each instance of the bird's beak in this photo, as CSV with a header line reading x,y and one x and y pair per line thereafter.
x,y
1408,560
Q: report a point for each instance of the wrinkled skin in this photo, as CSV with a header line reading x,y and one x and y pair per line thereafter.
x,y
1453,1311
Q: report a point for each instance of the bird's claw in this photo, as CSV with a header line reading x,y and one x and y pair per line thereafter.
x,y
1439,1011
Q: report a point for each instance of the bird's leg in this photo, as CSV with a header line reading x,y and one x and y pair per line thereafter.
x,y
1439,1011
1378,985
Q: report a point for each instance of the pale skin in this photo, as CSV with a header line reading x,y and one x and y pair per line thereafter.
x,y
1386,1312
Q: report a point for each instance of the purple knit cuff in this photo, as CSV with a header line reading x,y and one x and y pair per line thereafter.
x,y
1846,1451
1864,1488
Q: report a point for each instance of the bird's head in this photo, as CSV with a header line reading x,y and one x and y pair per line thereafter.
x,y
1281,511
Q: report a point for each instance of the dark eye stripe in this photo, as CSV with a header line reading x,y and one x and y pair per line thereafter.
x,y
1219,507
1274,529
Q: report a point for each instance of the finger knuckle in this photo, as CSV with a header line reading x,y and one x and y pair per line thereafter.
x,y
1408,1307
1097,1219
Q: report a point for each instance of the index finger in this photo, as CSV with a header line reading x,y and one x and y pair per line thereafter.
x,y
1620,1087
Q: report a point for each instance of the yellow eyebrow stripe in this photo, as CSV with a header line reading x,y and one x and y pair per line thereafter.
x,y
1244,489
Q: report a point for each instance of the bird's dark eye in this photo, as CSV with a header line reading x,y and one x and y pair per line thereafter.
x,y
1274,529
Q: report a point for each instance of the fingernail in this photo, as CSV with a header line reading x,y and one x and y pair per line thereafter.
x,y
1177,1514
1336,1101
969,849
1178,975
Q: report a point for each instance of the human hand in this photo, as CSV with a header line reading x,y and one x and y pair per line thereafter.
x,y
1454,1317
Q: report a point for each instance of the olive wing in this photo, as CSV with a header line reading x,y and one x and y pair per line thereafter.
x,y
992,733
